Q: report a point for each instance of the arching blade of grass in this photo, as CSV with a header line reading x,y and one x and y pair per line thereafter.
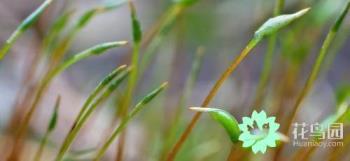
x,y
91,108
50,41
96,50
271,26
50,128
64,45
97,90
314,73
228,122
24,26
132,82
138,107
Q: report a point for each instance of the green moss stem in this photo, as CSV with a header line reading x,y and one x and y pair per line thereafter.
x,y
84,115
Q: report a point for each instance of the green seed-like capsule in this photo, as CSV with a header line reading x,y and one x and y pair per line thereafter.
x,y
26,23
224,118
274,24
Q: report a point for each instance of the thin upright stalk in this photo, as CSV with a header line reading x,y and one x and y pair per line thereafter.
x,y
50,128
21,133
24,26
165,27
132,82
138,107
317,66
265,73
41,147
187,91
85,114
314,72
210,96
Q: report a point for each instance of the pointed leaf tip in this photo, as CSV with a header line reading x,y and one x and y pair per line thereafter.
x,y
53,120
136,26
99,49
224,118
201,109
274,24
164,85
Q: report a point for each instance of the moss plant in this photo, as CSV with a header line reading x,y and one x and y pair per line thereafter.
x,y
315,71
187,92
318,63
24,26
228,122
138,107
341,115
166,139
50,128
55,30
97,91
162,28
132,82
269,27
89,107
266,70
96,50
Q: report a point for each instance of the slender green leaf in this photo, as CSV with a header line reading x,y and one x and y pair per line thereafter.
x,y
86,17
53,121
88,112
97,90
139,106
136,27
50,128
96,50
26,23
224,118
50,40
185,2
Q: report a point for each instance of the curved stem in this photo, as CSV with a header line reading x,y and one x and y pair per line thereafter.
x,y
21,133
85,115
314,74
211,95
139,106
266,71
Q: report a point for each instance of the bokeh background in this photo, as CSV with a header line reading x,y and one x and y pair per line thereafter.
x,y
221,27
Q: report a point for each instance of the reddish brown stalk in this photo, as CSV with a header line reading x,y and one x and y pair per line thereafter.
x,y
172,154
172,14
314,74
